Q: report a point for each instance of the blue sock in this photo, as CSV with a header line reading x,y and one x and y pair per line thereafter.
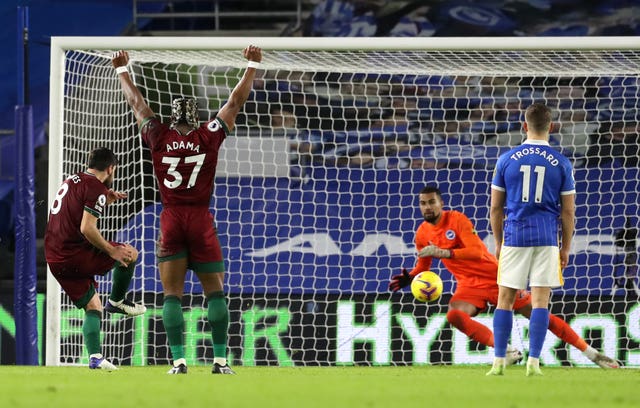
x,y
502,324
538,325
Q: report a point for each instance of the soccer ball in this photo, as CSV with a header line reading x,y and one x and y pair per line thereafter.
x,y
426,286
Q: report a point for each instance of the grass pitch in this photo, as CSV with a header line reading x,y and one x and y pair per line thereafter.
x,y
327,387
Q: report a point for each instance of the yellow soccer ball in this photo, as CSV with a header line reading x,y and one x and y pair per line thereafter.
x,y
426,286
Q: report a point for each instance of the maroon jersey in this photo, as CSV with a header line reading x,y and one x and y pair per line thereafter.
x,y
185,166
79,193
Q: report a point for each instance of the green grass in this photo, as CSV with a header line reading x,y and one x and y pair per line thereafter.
x,y
329,387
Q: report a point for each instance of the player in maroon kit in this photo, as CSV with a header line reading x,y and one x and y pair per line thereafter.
x,y
76,251
184,155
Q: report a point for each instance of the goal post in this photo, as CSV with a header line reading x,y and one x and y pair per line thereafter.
x,y
315,192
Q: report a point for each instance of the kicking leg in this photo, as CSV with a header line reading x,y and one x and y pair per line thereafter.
x,y
121,278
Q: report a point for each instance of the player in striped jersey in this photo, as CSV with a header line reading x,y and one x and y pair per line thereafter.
x,y
535,183
450,236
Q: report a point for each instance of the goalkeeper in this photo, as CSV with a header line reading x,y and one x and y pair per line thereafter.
x,y
450,236
184,154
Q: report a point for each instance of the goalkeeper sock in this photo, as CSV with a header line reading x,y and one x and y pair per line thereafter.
x,y
538,325
502,324
474,330
218,316
91,331
563,331
121,277
173,321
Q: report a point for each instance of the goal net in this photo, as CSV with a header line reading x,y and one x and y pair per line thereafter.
x,y
315,197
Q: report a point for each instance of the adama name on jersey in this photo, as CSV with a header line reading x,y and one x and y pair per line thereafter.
x,y
535,150
182,145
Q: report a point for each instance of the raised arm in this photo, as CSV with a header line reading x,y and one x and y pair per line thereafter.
x,y
141,110
240,93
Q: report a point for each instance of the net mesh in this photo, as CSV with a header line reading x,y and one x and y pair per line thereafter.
x,y
316,196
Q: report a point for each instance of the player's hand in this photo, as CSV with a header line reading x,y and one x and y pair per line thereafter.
x,y
434,251
113,196
253,53
564,258
124,254
120,59
400,281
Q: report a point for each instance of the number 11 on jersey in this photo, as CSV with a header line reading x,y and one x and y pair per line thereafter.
x,y
539,171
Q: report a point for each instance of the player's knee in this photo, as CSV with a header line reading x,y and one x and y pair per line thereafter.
x,y
456,317
95,310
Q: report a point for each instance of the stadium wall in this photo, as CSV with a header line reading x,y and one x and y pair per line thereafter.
x,y
281,234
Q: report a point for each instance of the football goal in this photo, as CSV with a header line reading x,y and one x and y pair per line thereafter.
x,y
315,197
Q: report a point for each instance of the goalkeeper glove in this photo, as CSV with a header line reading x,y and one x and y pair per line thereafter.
x,y
434,251
400,281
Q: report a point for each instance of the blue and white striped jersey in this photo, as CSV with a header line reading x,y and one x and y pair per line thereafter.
x,y
533,177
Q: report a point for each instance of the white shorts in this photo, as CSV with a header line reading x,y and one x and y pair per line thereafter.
x,y
540,266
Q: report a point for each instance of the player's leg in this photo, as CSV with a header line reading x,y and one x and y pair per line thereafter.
x,y
563,331
172,275
92,320
218,317
121,278
172,257
557,326
207,262
545,274
465,304
502,325
76,280
512,267
460,316
538,325
91,332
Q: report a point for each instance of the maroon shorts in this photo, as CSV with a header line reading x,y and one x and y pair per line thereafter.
x,y
191,232
76,275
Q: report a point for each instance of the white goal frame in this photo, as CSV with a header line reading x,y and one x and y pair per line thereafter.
x,y
59,45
